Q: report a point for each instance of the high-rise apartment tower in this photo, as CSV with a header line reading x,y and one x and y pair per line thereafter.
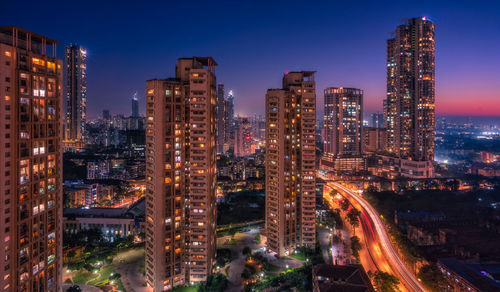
x,y
343,124
135,106
291,163
76,92
409,107
30,162
180,174
221,118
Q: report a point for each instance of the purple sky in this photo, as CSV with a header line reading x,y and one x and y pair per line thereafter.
x,y
255,42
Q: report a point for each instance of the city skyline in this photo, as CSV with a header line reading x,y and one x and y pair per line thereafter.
x,y
121,170
343,52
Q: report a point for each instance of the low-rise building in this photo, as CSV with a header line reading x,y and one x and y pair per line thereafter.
x,y
344,278
112,222
469,277
392,167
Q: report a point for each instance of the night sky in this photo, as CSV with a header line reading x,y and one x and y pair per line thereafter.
x,y
255,42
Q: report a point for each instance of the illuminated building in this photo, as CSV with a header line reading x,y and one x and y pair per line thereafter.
x,y
30,162
409,107
221,118
377,120
227,126
374,139
135,106
291,163
230,110
180,175
242,137
343,130
76,92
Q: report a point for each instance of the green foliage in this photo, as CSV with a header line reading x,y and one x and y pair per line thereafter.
x,y
258,240
217,283
246,274
344,204
431,278
384,282
353,218
247,251
74,288
115,276
237,208
223,257
355,246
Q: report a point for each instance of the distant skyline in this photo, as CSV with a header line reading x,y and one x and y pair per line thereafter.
x,y
255,43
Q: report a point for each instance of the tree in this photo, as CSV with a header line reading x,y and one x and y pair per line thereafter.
x,y
232,232
74,288
355,246
431,277
384,282
217,283
371,190
344,205
258,240
247,251
353,218
246,274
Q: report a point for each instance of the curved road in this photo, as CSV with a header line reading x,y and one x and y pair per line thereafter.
x,y
392,256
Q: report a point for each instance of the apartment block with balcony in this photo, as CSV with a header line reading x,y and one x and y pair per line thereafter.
x,y
181,175
291,163
30,162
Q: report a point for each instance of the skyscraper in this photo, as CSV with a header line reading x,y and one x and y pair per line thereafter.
x,y
135,106
30,162
409,107
291,163
105,115
377,120
227,126
181,178
76,92
221,130
343,124
242,137
230,109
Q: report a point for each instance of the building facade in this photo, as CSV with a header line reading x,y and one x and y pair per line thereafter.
x,y
409,107
343,124
30,162
180,175
221,118
135,106
76,92
374,140
242,137
230,112
291,163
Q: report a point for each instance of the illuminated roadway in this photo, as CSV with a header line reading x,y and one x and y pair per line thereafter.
x,y
396,265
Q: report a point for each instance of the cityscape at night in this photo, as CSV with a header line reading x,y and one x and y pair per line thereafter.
x,y
213,146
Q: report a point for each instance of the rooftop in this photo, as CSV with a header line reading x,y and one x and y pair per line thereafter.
x,y
34,36
476,274
135,210
348,278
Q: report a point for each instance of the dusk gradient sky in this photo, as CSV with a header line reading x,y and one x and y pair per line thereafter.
x,y
255,42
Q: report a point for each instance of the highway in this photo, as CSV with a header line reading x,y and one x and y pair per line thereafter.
x,y
377,238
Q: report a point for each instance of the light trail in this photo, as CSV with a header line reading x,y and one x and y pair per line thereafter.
x,y
390,253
